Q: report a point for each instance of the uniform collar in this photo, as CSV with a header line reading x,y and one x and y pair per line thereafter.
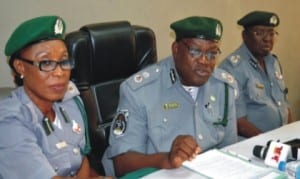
x,y
249,56
171,76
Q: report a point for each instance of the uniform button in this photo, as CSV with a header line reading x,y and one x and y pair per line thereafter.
x,y
271,84
56,168
200,136
165,120
278,103
157,70
72,173
75,150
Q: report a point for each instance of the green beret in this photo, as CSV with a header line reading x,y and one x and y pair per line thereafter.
x,y
259,18
198,27
35,30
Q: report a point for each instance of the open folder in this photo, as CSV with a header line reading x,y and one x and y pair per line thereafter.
x,y
219,164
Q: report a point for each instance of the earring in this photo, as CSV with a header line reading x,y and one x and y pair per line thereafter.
x,y
21,76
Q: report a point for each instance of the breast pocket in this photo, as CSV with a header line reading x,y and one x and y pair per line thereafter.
x,y
60,162
255,90
211,112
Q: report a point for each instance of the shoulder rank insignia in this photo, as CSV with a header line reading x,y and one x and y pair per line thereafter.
x,y
227,77
235,59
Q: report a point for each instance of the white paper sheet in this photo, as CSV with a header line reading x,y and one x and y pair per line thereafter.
x,y
219,164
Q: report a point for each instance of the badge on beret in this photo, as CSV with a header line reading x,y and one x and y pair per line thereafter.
x,y
58,27
218,30
273,20
119,126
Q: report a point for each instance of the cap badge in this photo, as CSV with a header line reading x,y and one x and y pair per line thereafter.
x,y
218,30
273,20
58,27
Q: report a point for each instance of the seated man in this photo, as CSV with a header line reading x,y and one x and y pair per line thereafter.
x,y
181,106
262,104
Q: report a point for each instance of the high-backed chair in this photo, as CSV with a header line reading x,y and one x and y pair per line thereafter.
x,y
105,54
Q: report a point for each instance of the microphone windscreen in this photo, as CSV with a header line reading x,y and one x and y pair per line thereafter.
x,y
259,151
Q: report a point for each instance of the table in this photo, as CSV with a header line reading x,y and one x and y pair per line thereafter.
x,y
245,148
283,134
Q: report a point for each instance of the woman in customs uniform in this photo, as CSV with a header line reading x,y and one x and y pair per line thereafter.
x,y
42,127
181,106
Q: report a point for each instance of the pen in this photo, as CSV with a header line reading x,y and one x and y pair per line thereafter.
x,y
239,156
244,157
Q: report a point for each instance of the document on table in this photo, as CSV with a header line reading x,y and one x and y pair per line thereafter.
x,y
218,164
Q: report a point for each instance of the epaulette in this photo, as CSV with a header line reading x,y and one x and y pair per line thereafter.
x,y
234,59
275,56
144,77
226,77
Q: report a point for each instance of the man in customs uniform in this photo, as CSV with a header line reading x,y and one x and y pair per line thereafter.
x,y
175,109
262,103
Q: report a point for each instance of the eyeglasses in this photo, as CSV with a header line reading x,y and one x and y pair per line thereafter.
x,y
50,65
196,53
263,33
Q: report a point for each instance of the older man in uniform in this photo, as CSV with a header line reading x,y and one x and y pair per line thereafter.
x,y
262,104
172,111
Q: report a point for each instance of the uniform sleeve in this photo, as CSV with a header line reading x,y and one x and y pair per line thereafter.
x,y
20,155
133,136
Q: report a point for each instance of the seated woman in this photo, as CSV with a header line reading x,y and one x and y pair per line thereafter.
x,y
42,122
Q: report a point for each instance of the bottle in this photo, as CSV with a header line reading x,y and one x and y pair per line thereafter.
x,y
292,168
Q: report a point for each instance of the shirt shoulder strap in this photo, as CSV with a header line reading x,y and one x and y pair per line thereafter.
x,y
87,147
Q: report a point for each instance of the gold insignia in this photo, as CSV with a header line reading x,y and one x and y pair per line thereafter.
x,y
259,86
172,105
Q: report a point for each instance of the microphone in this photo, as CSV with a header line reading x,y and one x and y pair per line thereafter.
x,y
260,151
295,148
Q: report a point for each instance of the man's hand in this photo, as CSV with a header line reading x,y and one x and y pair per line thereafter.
x,y
184,147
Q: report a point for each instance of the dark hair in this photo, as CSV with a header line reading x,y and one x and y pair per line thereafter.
x,y
17,77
